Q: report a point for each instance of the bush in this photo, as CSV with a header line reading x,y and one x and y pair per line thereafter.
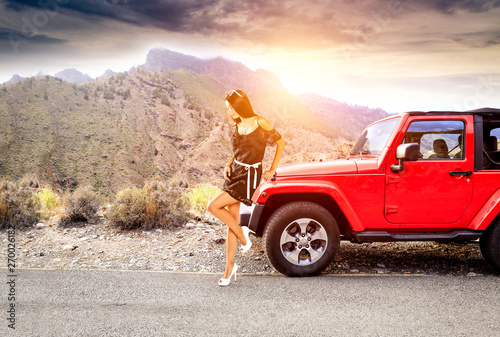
x,y
81,206
157,204
199,196
166,207
128,211
47,203
343,149
108,95
165,101
17,206
157,93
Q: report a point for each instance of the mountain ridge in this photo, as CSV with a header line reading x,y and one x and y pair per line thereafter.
x,y
349,119
73,76
229,74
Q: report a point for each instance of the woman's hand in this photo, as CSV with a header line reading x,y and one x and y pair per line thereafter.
x,y
227,172
269,174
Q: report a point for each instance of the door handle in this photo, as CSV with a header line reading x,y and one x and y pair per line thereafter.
x,y
460,173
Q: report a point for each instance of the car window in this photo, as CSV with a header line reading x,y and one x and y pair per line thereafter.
x,y
374,138
496,133
438,139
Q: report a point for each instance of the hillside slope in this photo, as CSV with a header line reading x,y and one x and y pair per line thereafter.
x,y
350,120
167,121
117,132
266,92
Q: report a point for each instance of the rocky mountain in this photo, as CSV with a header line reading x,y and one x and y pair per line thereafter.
x,y
15,78
165,118
73,76
108,73
263,87
229,74
349,119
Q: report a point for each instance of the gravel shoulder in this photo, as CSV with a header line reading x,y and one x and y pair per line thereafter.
x,y
199,246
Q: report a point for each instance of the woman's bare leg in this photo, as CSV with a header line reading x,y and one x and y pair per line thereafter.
x,y
232,240
218,208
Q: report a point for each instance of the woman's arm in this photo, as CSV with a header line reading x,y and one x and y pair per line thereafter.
x,y
280,146
230,161
227,169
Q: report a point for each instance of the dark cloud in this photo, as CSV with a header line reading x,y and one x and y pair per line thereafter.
x,y
451,6
16,41
292,24
477,39
268,22
170,14
85,8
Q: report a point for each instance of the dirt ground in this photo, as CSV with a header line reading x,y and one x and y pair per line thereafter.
x,y
200,247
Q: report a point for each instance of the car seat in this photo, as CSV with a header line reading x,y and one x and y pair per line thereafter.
x,y
490,145
440,148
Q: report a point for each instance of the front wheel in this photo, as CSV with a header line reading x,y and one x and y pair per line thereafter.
x,y
301,239
490,244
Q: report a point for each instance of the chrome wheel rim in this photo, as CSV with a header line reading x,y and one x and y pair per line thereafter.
x,y
303,242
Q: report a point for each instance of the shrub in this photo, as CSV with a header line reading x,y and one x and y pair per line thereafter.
x,y
200,195
17,206
157,93
128,210
47,202
343,149
80,206
126,94
157,204
166,207
165,101
108,95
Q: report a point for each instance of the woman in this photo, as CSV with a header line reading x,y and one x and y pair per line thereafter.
x,y
243,172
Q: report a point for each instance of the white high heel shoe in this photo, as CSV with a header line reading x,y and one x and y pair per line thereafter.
x,y
246,233
225,281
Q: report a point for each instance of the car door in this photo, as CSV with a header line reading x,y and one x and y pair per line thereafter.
x,y
437,188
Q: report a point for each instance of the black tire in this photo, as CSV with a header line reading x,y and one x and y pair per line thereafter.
x,y
301,239
490,244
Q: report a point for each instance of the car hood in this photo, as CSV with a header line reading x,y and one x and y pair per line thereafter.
x,y
340,166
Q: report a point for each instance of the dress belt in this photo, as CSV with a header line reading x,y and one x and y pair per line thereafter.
x,y
247,167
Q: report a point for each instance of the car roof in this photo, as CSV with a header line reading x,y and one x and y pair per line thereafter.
x,y
482,111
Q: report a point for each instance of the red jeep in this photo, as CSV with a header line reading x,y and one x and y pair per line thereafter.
x,y
417,176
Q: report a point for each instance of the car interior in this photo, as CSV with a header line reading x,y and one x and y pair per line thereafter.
x,y
491,155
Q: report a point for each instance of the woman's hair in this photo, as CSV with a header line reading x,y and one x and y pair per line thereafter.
x,y
240,103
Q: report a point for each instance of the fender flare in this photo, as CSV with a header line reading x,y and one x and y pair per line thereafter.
x,y
329,189
487,213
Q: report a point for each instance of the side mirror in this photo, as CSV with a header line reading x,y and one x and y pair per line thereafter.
x,y
405,152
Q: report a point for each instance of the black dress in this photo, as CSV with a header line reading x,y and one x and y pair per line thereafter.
x,y
248,149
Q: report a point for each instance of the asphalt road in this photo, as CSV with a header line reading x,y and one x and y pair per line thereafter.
x,y
145,303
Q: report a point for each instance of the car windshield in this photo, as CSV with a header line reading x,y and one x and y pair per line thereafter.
x,y
375,137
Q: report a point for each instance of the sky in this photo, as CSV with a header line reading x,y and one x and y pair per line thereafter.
x,y
398,55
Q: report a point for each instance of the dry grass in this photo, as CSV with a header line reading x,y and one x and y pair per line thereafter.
x,y
47,202
343,149
158,204
17,205
81,206
199,196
